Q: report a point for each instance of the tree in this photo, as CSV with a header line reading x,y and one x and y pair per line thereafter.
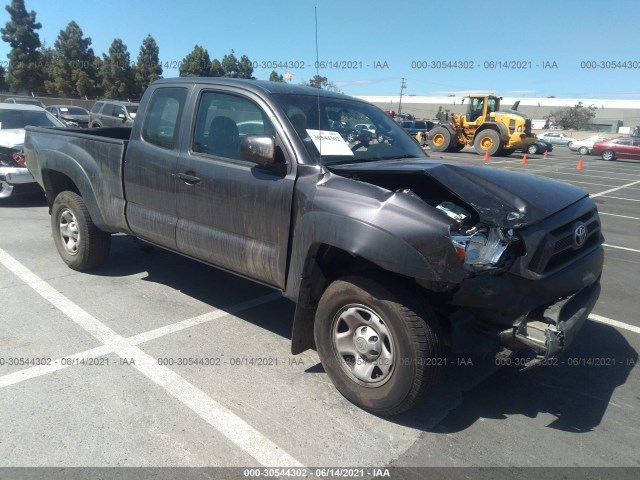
x,y
71,66
19,32
321,82
274,77
231,66
3,84
245,68
196,64
574,118
216,68
148,68
117,72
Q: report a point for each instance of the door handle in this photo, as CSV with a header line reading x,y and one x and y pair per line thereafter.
x,y
188,178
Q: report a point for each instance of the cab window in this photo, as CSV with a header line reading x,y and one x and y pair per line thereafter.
x,y
223,120
161,124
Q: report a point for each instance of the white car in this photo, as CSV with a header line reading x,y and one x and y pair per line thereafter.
x,y
556,138
14,176
583,147
366,126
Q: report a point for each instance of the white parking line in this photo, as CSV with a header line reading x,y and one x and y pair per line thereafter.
x,y
69,360
222,419
619,198
54,366
614,323
621,248
615,189
621,216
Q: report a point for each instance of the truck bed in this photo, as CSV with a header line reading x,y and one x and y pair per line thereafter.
x,y
85,155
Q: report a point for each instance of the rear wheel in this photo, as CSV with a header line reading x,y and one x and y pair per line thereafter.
x,y
379,345
79,242
608,155
440,139
532,149
487,141
583,150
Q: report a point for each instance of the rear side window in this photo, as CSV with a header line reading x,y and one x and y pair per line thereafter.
x,y
96,107
108,109
163,116
623,141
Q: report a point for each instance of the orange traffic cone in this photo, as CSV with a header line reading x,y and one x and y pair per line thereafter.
x,y
546,154
486,156
524,159
579,167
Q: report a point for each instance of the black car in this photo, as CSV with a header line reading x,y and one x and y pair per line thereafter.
x,y
351,133
540,146
71,115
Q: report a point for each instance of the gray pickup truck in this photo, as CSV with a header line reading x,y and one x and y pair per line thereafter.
x,y
389,256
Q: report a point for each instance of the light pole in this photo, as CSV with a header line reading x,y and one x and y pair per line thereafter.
x,y
402,87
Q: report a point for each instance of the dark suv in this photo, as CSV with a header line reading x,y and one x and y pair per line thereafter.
x,y
415,126
111,113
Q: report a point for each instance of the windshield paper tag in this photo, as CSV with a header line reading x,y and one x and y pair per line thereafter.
x,y
329,143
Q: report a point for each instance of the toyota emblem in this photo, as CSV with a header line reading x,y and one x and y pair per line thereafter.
x,y
580,235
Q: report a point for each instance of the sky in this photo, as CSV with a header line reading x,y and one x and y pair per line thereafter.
x,y
561,48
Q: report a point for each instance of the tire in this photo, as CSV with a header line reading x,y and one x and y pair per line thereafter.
x,y
456,148
487,140
79,242
583,150
608,155
532,149
440,139
351,137
403,328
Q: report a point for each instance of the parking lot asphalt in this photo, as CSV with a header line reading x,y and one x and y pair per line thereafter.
x,y
156,360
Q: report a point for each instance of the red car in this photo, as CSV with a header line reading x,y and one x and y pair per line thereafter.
x,y
628,147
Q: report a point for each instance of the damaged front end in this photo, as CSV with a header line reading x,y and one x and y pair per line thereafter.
x,y
530,249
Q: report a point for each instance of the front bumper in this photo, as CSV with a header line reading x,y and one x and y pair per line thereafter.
x,y
10,177
550,331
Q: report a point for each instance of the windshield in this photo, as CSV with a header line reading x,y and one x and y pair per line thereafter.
x,y
333,131
22,118
73,111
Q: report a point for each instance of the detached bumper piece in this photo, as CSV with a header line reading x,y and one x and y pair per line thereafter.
x,y
549,331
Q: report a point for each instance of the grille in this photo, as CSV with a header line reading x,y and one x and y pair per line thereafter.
x,y
558,247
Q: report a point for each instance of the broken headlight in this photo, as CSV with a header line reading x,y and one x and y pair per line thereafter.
x,y
482,248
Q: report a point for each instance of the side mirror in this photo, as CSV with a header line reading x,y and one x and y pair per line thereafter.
x,y
260,149
122,116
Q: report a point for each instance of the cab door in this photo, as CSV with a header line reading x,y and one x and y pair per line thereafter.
x,y
231,212
150,168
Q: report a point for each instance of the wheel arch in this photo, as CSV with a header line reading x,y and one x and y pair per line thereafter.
x,y
323,265
71,177
498,127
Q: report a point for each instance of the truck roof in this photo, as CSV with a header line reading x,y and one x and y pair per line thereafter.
x,y
258,86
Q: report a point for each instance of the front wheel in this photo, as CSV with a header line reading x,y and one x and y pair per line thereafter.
x,y
532,149
440,139
79,242
583,150
379,346
608,155
487,141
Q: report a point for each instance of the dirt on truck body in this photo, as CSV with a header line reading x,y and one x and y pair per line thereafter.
x,y
389,256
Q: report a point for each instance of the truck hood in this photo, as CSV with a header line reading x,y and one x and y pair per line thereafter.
x,y
499,197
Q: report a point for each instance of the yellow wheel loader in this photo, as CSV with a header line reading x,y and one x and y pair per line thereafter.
x,y
484,127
